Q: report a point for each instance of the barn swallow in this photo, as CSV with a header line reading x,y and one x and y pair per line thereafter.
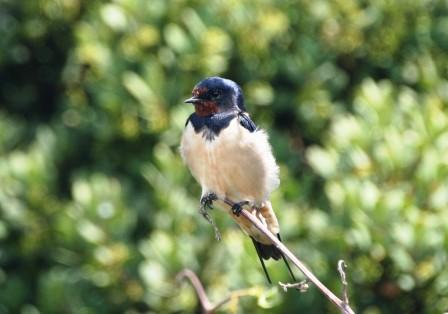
x,y
232,159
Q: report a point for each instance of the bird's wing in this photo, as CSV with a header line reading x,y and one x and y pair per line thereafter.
x,y
188,119
246,122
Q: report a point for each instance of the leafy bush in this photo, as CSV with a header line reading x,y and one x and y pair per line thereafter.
x,y
98,213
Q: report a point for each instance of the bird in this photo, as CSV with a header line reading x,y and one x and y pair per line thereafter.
x,y
231,158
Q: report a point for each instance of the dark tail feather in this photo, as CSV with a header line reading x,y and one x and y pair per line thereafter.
x,y
286,261
267,251
260,256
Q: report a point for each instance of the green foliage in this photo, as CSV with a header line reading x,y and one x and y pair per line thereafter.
x,y
98,213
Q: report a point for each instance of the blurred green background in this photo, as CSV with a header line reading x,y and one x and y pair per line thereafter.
x,y
98,213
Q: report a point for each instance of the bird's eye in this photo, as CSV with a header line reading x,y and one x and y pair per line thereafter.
x,y
216,93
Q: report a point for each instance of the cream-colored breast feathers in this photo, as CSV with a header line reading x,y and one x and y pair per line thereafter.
x,y
236,164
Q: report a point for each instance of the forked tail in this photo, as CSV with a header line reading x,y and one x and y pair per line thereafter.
x,y
267,251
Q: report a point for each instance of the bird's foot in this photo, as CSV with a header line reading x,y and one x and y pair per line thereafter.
x,y
206,203
207,200
238,207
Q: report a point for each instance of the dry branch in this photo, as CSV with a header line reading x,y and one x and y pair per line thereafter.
x,y
207,306
343,306
302,286
341,266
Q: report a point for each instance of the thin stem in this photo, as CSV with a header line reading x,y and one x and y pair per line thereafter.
x,y
341,266
302,286
207,306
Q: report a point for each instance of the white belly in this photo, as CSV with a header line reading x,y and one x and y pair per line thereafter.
x,y
236,164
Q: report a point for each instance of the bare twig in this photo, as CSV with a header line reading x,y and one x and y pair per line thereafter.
x,y
341,266
345,308
207,306
302,286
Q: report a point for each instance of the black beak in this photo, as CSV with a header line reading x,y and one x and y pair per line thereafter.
x,y
192,100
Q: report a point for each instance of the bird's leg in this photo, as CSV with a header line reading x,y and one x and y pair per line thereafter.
x,y
257,212
259,215
238,207
207,203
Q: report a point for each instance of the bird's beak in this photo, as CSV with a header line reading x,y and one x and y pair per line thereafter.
x,y
192,100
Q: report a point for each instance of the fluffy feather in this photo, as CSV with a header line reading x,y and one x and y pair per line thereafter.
x,y
238,165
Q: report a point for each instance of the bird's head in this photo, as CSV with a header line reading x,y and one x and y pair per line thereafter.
x,y
214,95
